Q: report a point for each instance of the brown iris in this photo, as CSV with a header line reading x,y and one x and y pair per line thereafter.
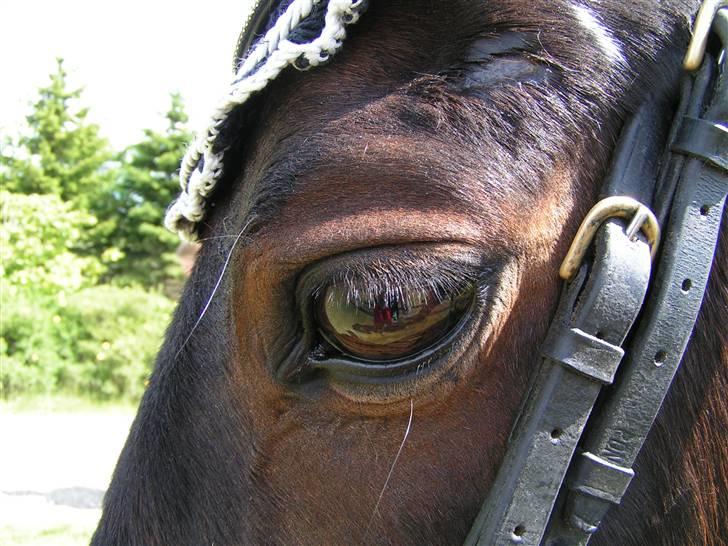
x,y
389,327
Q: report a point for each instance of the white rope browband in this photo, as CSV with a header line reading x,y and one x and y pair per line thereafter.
x,y
202,167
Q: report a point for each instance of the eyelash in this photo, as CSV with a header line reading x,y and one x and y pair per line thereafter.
x,y
365,291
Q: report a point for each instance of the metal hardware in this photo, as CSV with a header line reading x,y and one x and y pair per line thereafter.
x,y
701,30
618,206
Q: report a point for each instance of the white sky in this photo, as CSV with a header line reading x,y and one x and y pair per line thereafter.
x,y
129,55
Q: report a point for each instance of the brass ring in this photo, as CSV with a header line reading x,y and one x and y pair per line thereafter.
x,y
701,29
619,206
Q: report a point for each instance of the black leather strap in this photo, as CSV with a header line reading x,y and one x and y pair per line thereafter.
x,y
703,139
581,354
599,476
613,441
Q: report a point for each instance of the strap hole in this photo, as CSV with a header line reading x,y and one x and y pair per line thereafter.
x,y
660,357
687,284
517,534
556,435
705,210
599,335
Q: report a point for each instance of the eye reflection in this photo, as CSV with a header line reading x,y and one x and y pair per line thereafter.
x,y
389,327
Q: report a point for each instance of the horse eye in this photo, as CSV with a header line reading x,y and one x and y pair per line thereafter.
x,y
389,327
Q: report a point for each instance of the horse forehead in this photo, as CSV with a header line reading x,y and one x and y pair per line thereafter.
x,y
400,40
323,114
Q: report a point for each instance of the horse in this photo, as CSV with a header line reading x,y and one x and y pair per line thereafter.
x,y
378,272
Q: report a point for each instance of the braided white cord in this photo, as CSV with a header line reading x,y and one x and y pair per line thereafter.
x,y
295,13
276,53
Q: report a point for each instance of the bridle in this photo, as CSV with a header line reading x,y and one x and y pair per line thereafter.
x,y
635,278
595,396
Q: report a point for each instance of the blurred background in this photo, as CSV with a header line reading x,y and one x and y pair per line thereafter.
x,y
97,103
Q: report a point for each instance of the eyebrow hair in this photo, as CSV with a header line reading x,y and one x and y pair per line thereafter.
x,y
278,183
335,160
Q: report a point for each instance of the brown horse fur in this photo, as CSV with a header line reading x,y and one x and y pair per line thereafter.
x,y
418,142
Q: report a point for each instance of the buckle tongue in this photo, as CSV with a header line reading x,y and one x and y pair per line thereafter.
x,y
618,206
701,29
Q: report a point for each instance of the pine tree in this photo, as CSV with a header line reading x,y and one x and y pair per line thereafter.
x,y
62,153
133,211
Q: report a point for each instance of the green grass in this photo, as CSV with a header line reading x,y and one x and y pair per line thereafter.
x,y
59,403
52,535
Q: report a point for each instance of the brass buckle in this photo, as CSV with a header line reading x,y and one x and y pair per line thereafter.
x,y
619,206
701,29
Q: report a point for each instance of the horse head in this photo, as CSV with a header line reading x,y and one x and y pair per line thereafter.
x,y
381,236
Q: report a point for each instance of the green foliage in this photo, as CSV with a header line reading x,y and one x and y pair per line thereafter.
x,y
39,239
83,252
62,153
133,207
75,216
100,341
14,533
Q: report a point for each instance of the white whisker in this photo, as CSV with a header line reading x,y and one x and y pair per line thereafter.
x,y
214,290
391,470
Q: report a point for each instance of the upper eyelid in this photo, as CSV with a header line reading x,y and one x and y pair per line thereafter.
x,y
370,273
394,282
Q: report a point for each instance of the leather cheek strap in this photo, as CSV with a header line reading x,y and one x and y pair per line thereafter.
x,y
581,355
600,473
